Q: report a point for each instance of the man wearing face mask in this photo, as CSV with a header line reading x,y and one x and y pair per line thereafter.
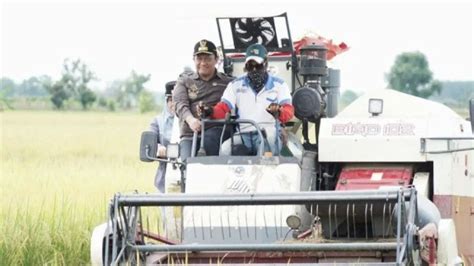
x,y
257,96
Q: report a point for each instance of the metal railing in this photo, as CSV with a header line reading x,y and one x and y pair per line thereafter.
x,y
449,145
127,241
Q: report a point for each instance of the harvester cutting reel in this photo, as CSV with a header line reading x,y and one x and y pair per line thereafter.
x,y
218,227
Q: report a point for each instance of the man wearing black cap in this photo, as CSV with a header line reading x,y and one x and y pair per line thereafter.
x,y
206,85
162,125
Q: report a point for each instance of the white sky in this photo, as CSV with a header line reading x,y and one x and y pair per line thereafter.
x,y
158,38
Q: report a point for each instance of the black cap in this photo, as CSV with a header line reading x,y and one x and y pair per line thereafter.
x,y
205,47
169,88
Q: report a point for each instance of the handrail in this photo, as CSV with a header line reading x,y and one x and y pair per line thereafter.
x,y
260,198
227,122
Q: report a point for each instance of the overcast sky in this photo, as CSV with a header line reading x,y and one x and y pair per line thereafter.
x,y
158,38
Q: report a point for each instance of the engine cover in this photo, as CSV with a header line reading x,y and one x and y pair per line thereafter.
x,y
308,104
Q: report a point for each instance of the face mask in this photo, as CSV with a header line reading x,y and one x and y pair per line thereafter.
x,y
257,79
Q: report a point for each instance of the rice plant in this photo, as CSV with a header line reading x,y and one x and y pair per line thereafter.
x,y
58,172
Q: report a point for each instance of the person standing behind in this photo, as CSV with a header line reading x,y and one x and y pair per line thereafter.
x,y
162,125
257,96
206,85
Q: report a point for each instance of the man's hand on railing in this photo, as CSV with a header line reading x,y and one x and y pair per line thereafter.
x,y
203,110
161,151
194,123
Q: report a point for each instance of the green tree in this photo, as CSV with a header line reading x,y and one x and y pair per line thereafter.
x,y
33,87
75,78
7,89
132,87
134,83
73,84
126,92
146,101
411,74
58,94
455,93
111,105
114,92
86,97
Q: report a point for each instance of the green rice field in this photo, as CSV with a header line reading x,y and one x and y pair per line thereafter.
x,y
59,171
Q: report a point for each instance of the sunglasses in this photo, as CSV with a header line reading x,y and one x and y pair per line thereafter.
x,y
252,65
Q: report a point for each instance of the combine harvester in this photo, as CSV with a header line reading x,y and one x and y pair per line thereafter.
x,y
390,179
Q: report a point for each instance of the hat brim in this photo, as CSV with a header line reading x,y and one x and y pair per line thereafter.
x,y
202,52
257,59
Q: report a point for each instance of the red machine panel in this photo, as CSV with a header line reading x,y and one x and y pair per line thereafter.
x,y
373,177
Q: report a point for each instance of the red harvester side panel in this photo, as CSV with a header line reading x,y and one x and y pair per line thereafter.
x,y
357,178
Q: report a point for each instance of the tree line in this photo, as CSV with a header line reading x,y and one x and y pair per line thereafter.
x,y
410,73
73,89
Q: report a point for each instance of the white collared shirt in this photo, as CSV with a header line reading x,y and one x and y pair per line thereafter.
x,y
239,95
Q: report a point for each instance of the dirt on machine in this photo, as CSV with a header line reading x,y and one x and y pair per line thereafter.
x,y
388,180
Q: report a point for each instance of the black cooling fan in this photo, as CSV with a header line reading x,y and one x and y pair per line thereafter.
x,y
247,31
